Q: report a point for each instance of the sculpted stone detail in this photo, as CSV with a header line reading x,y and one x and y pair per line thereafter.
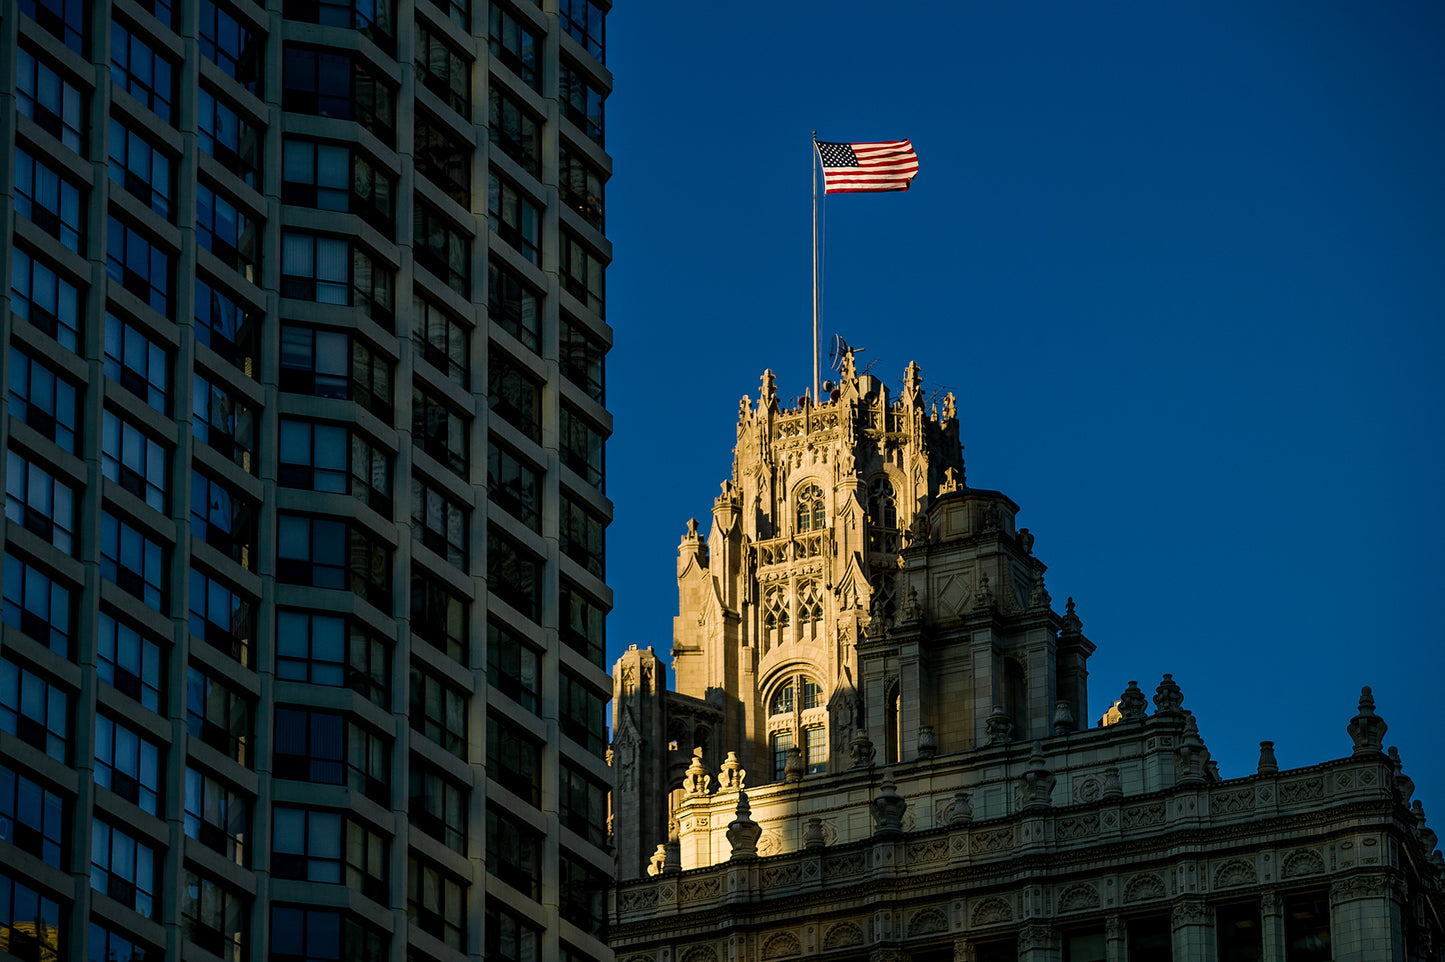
x,y
993,840
1304,861
1076,826
701,953
843,935
931,850
1078,897
926,922
1087,788
1144,816
991,911
1363,886
1232,803
1191,912
638,899
776,876
698,889
1303,790
1035,936
781,946
1235,872
1141,888
850,864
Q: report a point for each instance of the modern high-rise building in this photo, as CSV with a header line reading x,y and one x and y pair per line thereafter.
x,y
303,316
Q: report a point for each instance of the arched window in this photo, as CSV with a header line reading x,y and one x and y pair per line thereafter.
x,y
812,694
884,602
882,516
812,514
782,700
810,607
798,718
775,618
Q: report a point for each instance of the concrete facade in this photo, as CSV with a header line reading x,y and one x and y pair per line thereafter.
x,y
878,750
304,319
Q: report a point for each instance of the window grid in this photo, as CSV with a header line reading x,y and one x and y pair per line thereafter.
x,y
39,296
37,502
47,199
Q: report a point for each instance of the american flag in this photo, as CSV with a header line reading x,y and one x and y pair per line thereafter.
x,y
889,165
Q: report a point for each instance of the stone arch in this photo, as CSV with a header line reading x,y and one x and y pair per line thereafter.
x,y
842,935
991,910
1143,887
1078,897
781,946
702,953
1302,861
927,922
1235,872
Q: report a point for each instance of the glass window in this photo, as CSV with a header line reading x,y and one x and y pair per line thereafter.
x,y
372,18
445,161
127,763
1237,929
510,937
437,806
330,270
581,447
514,851
330,553
122,868
582,273
514,485
582,714
441,339
132,561
237,50
221,617
65,20
223,519
1307,927
514,395
133,460
220,421
140,168
336,177
42,400
328,84
583,624
47,199
581,186
43,941
108,946
443,71
222,132
41,297
319,935
134,262
458,11
306,844
34,710
322,457
1149,939
581,101
442,249
516,218
226,326
782,742
310,746
584,804
226,232
439,711
512,666
583,893
217,716
514,759
129,662
37,502
440,432
440,522
213,917
438,616
812,514
516,46
512,305
514,575
55,105
332,364
137,363
216,816
584,21
37,604
581,357
815,749
139,70
310,648
515,131
582,535
32,818
436,903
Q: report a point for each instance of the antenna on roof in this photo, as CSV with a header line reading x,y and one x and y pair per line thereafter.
x,y
836,352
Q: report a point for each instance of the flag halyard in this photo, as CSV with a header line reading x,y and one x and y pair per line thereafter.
x,y
878,166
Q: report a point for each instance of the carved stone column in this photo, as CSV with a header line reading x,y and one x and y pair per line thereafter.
x,y
962,950
1038,943
1116,939
1192,921
887,954
1271,917
1365,920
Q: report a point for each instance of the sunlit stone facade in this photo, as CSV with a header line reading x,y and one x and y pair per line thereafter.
x,y
878,750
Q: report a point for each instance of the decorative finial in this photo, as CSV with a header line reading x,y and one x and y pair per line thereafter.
x,y
1190,755
888,808
794,768
769,392
860,749
998,727
1367,729
813,834
1133,703
1168,697
696,780
1267,763
950,408
1113,787
1038,781
962,808
912,382
743,833
927,742
1073,625
1064,721
730,776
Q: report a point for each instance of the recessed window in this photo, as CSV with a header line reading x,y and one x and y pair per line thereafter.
x,y
582,714
122,868
333,364
223,519
581,447
514,395
48,199
514,851
217,716
328,84
65,20
513,306
440,432
581,186
514,131
582,273
221,617
227,232
582,535
129,662
510,936
132,561
436,902
443,71
584,804
581,101
236,49
584,20
226,326
213,917
441,339
34,710
583,627
135,263
512,665
140,168
514,759
127,763
515,217
442,249
440,521
137,363
133,459
42,400
226,135
438,616
514,485
38,605
516,46
583,891
811,514
41,297
581,358
104,943
39,503
216,816
439,711
437,805
55,105
34,817
139,70
514,574
220,421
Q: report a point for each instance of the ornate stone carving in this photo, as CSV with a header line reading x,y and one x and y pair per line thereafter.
x,y
1302,861
1064,721
1404,784
1168,697
781,946
659,858
1079,897
1235,872
1190,755
743,833
794,768
990,911
962,811
1267,763
1114,929
1035,935
860,749
1072,626
701,953
1038,781
983,598
730,777
813,833
888,808
842,935
696,781
998,727
1142,888
1190,912
1113,789
1133,703
1367,729
927,922
927,742
1360,886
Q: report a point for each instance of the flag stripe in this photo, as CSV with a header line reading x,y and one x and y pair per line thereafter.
x,y
877,166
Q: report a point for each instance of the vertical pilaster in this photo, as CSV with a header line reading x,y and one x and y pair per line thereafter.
x,y
1271,916
1115,939
1038,943
1365,922
1192,924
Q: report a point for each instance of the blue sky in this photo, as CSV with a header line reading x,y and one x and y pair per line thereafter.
x,y
1183,265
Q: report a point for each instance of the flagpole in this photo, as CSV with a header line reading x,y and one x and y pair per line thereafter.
x,y
816,397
